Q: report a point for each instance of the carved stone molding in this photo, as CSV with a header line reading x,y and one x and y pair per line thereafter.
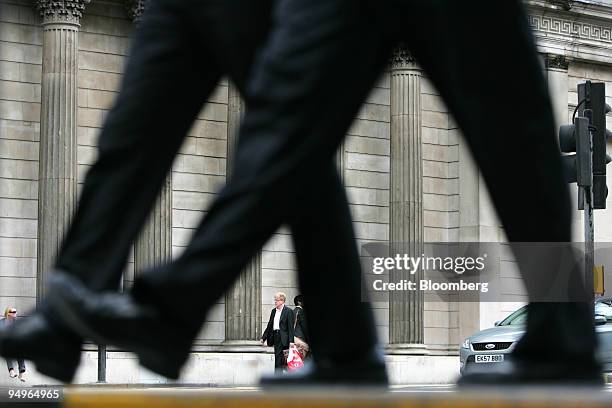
x,y
553,61
571,28
565,4
583,33
402,58
135,8
61,11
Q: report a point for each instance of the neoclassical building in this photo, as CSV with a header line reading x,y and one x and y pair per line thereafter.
x,y
60,66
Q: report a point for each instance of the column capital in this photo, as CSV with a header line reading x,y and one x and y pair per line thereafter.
x,y
61,11
402,59
135,8
555,61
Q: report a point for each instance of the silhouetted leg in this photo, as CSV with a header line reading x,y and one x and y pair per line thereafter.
x,y
287,142
496,91
330,270
168,77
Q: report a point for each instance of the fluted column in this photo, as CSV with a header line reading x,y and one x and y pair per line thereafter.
x,y
406,197
557,78
154,244
57,174
243,300
340,160
556,69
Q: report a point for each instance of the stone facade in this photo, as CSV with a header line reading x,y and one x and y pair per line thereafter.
x,y
452,203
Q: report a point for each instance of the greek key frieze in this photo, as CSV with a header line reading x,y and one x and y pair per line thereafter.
x,y
574,29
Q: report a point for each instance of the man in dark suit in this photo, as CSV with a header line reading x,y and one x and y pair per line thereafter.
x,y
180,51
279,332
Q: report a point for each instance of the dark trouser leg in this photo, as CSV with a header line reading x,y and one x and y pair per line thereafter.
x,y
287,142
329,263
10,364
279,361
501,103
165,84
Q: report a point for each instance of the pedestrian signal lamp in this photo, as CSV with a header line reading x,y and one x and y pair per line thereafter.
x,y
592,97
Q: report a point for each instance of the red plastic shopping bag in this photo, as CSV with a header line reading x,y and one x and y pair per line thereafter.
x,y
294,359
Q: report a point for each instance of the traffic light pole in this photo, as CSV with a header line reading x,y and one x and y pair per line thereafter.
x,y
589,239
589,222
584,141
101,364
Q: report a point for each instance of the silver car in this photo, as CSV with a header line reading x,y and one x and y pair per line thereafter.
x,y
491,346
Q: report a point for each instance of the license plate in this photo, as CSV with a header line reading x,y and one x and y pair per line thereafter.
x,y
490,358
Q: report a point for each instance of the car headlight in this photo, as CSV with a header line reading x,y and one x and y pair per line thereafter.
x,y
466,344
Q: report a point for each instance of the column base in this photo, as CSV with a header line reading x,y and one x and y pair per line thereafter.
x,y
408,349
240,346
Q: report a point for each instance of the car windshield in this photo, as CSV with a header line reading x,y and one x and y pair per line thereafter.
x,y
517,318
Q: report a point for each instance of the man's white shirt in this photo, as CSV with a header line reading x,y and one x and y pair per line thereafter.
x,y
277,316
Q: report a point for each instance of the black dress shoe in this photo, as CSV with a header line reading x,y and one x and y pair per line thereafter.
x,y
55,351
514,372
368,372
161,345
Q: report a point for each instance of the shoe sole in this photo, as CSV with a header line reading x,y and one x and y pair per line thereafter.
x,y
376,381
596,382
373,387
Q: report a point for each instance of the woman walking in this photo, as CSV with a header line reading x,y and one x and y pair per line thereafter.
x,y
10,314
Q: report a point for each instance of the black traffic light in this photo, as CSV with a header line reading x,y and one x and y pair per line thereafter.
x,y
575,139
592,96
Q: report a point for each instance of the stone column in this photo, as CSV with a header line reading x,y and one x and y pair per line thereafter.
x,y
556,75
473,227
406,199
243,300
556,71
340,160
57,175
154,244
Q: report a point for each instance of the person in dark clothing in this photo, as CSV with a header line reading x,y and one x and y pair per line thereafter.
x,y
300,327
301,330
10,316
279,332
179,52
